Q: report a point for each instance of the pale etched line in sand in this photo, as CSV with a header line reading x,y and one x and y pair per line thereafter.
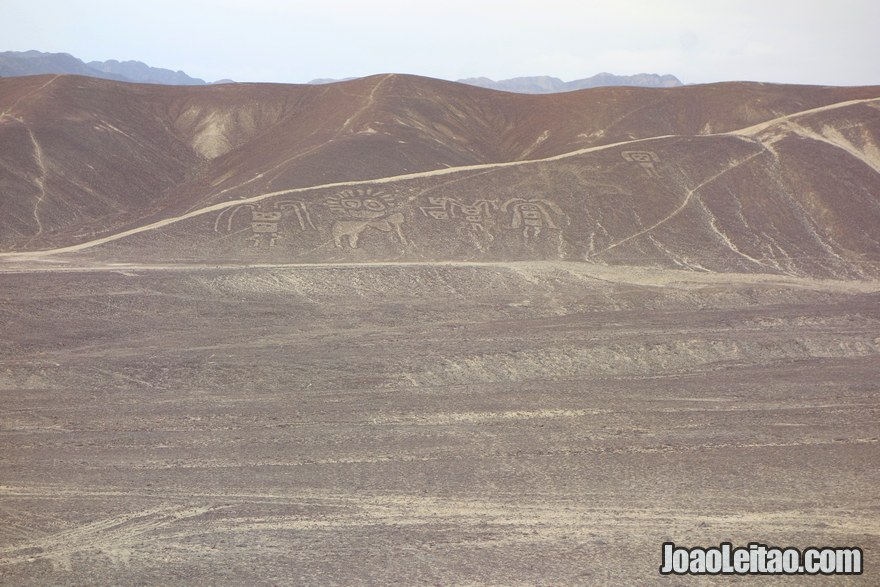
x,y
19,526
683,205
752,130
6,112
482,417
597,450
726,240
40,181
682,261
103,534
396,178
641,276
551,518
821,236
831,136
392,179
371,509
538,142
371,99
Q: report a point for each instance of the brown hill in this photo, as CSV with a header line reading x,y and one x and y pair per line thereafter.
x,y
744,177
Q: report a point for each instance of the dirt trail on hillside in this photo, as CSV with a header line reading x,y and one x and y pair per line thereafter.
x,y
749,131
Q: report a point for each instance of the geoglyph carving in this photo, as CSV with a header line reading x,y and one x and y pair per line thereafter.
x,y
645,159
531,215
476,215
265,220
363,209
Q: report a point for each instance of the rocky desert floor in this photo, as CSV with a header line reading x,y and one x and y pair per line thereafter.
x,y
428,424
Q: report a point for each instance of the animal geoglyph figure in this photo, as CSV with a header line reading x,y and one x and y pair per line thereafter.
x,y
363,209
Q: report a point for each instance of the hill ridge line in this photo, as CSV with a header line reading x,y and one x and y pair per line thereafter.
x,y
739,133
6,113
756,128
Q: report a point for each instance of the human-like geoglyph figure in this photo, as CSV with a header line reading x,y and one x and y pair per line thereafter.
x,y
265,220
532,215
645,159
362,209
476,215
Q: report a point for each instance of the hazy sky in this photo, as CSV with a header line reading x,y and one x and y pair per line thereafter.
x,y
806,41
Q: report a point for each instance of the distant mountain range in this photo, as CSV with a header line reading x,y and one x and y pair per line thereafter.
x,y
544,84
19,63
550,85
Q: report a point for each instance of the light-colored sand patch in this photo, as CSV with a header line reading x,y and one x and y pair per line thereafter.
x,y
757,128
483,417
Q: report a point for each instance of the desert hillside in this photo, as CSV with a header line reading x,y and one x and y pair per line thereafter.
x,y
399,331
726,177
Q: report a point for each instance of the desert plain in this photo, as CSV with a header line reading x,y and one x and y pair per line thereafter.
x,y
323,336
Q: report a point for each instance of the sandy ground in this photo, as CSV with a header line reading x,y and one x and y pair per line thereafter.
x,y
427,424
